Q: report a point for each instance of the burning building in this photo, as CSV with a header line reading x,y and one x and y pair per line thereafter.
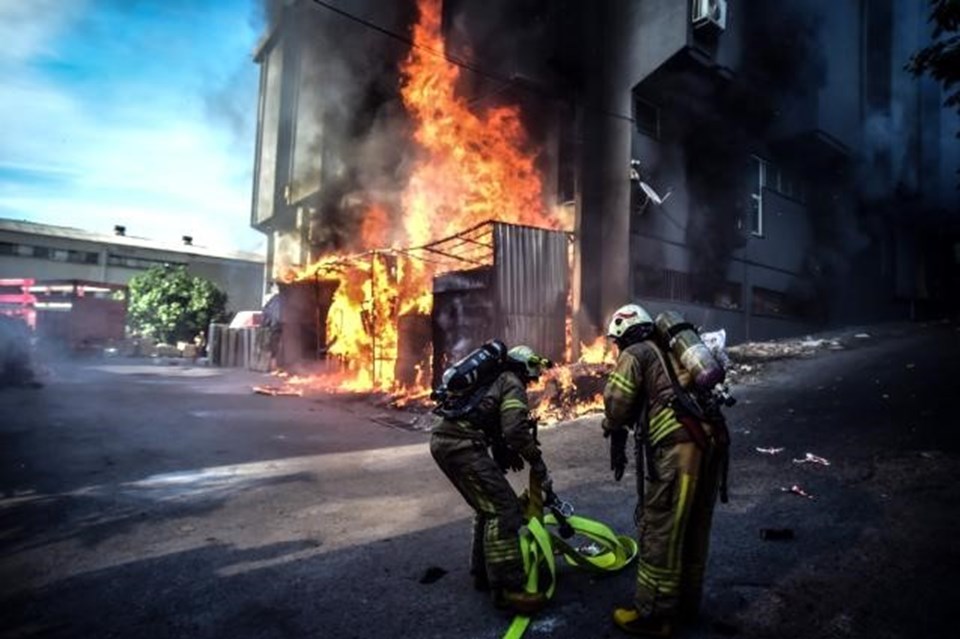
x,y
430,174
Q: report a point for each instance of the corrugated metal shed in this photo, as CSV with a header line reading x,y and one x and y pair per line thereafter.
x,y
521,298
531,282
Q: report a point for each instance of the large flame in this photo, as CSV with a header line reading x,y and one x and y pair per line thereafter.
x,y
472,167
476,166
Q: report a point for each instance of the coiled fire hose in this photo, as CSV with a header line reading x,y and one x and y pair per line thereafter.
x,y
539,545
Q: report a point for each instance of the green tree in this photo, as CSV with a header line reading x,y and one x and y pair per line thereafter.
x,y
941,58
169,304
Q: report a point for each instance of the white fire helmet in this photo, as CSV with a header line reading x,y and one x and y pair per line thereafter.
x,y
533,363
625,318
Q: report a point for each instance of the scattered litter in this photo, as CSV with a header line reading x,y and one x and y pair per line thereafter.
x,y
776,534
796,490
770,451
744,431
885,396
187,528
277,391
862,336
911,366
810,458
432,575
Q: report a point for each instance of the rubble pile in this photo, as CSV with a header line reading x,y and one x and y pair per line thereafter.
x,y
747,360
781,349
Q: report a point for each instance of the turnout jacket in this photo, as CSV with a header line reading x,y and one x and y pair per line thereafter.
x,y
503,411
639,388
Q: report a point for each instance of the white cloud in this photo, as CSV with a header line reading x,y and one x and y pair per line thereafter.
x,y
156,164
28,28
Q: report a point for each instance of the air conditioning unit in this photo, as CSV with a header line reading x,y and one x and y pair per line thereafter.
x,y
710,15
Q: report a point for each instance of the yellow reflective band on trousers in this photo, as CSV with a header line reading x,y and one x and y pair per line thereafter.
x,y
538,546
663,582
657,581
662,424
680,518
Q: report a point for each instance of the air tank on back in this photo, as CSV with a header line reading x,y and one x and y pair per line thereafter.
x,y
682,339
481,364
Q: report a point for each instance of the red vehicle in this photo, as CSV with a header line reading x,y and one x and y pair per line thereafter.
x,y
16,300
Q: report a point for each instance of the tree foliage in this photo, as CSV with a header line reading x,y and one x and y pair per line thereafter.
x,y
941,58
169,304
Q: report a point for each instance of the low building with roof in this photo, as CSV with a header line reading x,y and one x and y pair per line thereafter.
x,y
43,252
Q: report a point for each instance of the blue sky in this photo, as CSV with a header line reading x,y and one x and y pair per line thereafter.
x,y
134,112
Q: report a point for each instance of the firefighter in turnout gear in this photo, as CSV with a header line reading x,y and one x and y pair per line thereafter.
x,y
482,434
680,466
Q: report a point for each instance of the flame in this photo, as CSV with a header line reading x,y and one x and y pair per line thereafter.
x,y
476,166
597,352
472,167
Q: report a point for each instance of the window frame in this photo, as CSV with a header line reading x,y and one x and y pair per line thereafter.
x,y
757,196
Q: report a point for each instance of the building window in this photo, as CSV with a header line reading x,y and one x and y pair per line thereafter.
x,y
126,261
647,116
83,257
58,255
758,175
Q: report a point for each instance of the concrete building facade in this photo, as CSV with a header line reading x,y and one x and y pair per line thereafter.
x,y
43,252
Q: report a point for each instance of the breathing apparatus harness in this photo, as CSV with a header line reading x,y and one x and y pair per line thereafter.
x,y
465,385
692,406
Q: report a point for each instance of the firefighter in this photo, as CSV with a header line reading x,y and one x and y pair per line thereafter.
x,y
682,453
461,443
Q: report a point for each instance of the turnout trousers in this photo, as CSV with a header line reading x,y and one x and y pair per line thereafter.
x,y
497,516
674,527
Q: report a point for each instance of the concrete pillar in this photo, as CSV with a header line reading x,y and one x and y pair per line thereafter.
x,y
605,129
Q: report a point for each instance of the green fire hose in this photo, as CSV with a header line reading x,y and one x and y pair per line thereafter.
x,y
539,546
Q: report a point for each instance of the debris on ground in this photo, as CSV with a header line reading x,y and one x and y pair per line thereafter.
x,y
770,451
776,534
796,490
810,458
752,352
278,391
862,336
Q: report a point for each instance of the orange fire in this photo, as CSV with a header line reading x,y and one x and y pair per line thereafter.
x,y
597,352
473,167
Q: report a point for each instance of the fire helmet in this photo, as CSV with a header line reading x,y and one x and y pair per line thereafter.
x,y
630,323
528,362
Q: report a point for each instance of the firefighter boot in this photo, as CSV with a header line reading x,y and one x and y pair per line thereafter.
x,y
631,621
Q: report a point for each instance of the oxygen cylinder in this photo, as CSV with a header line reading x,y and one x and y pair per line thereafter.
x,y
477,367
684,342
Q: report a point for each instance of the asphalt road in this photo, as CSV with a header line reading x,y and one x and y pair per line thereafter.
x,y
156,501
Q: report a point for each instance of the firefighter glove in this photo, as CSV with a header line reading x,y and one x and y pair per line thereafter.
x,y
506,457
618,452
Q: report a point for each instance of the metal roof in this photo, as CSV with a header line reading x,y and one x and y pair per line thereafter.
x,y
69,233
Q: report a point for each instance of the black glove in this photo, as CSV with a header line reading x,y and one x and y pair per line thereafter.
x,y
618,451
506,457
